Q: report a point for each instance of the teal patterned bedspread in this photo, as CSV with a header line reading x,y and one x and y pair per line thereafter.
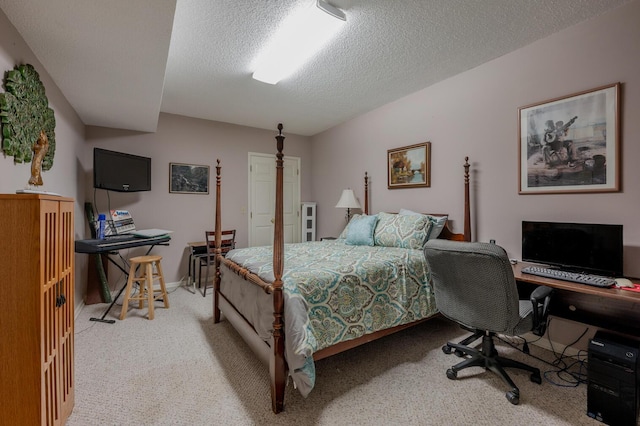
x,y
336,292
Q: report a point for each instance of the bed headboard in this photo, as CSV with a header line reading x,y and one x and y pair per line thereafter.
x,y
447,233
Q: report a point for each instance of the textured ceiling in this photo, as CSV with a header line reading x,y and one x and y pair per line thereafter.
x,y
121,62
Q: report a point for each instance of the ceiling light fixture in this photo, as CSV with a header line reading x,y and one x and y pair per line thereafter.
x,y
300,37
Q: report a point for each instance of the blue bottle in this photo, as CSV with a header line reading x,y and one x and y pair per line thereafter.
x,y
102,219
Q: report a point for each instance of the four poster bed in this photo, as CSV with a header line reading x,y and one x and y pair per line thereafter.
x,y
332,295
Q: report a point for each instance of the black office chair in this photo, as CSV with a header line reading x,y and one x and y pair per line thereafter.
x,y
474,285
227,243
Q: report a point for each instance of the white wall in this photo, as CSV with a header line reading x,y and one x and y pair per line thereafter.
x,y
64,177
475,114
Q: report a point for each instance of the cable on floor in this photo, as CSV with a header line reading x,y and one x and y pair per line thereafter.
x,y
563,369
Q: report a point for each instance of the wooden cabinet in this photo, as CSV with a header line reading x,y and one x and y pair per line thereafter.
x,y
36,309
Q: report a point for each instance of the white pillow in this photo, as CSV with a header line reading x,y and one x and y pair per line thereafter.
x,y
438,222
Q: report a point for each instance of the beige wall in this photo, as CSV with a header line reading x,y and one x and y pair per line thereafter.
x,y
475,114
193,141
64,177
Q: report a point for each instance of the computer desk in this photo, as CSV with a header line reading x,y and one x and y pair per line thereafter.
x,y
610,308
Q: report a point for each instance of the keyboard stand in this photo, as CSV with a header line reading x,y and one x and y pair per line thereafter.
x,y
126,273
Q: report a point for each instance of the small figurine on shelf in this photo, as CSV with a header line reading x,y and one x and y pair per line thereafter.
x,y
39,151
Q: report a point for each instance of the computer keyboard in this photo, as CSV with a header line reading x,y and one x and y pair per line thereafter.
x,y
588,279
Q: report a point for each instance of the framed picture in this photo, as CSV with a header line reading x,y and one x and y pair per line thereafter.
x,y
409,166
571,144
188,178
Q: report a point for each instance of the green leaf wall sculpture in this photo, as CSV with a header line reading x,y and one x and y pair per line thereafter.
x,y
24,112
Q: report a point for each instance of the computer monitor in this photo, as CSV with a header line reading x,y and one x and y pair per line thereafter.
x,y
582,247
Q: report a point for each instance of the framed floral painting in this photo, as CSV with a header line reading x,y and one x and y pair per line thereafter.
x,y
409,166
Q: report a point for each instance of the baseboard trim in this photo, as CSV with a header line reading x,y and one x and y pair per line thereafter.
x,y
173,285
170,287
575,336
78,309
556,347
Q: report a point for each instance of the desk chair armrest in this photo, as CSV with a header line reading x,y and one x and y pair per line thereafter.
x,y
540,298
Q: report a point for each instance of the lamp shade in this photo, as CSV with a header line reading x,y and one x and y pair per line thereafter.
x,y
348,200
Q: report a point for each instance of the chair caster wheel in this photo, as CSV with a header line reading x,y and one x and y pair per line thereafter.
x,y
535,378
458,353
513,396
452,375
447,349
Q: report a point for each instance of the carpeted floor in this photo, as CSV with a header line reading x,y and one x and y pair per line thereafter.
x,y
181,369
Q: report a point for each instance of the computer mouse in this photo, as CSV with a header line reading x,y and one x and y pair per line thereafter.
x,y
623,282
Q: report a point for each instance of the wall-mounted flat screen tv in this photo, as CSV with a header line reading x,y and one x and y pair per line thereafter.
x,y
579,247
118,171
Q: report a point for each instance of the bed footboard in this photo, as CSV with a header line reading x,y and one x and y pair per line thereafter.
x,y
257,345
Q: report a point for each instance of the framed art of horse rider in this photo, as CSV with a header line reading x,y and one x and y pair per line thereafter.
x,y
571,144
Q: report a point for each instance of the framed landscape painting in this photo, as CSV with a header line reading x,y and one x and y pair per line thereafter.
x,y
571,144
188,178
409,166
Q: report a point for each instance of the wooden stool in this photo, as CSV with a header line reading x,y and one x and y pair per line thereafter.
x,y
145,280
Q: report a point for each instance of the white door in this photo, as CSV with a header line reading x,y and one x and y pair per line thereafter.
x,y
262,196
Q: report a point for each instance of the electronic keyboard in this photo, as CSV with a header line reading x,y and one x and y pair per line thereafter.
x,y
118,242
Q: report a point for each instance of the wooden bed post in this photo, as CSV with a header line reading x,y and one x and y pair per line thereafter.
x,y
218,251
467,208
366,193
279,373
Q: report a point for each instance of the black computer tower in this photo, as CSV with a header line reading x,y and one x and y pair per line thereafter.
x,y
612,393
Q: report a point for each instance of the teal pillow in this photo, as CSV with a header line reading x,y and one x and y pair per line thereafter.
x,y
403,231
360,230
343,234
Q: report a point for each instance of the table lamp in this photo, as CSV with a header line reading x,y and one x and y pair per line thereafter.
x,y
348,201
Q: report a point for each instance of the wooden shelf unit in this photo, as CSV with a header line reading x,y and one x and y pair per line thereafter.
x,y
36,309
308,221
